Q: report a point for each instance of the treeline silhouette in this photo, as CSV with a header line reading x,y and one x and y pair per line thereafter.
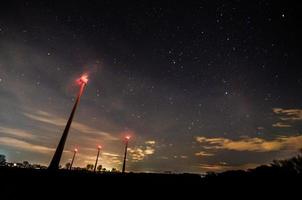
x,y
278,168
280,174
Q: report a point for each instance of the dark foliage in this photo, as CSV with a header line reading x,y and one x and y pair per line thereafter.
x,y
275,178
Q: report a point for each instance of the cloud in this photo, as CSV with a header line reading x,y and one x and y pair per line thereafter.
x,y
223,166
46,119
57,121
163,157
203,154
16,132
150,142
20,144
183,157
110,154
111,159
139,153
288,114
281,125
149,150
106,159
253,144
214,167
86,129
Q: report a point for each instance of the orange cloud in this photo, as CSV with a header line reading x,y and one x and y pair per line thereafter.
x,y
222,166
139,153
253,144
151,142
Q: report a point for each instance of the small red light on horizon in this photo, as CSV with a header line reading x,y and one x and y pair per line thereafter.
x,y
128,137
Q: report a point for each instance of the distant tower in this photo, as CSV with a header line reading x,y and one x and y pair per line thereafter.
x,y
127,138
74,154
97,157
54,164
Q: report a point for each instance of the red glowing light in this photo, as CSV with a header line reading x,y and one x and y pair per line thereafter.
x,y
75,150
128,137
83,79
99,146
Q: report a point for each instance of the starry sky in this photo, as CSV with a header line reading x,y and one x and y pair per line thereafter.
x,y
200,85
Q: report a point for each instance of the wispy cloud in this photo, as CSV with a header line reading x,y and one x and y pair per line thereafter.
x,y
288,114
86,129
214,167
57,121
253,144
46,119
203,154
183,157
223,166
163,157
16,132
107,159
111,154
23,145
281,125
150,142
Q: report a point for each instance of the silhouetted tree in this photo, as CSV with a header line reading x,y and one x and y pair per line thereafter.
x,y
26,164
2,159
89,167
67,165
99,168
292,165
114,170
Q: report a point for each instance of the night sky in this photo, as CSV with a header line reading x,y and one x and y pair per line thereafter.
x,y
200,85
